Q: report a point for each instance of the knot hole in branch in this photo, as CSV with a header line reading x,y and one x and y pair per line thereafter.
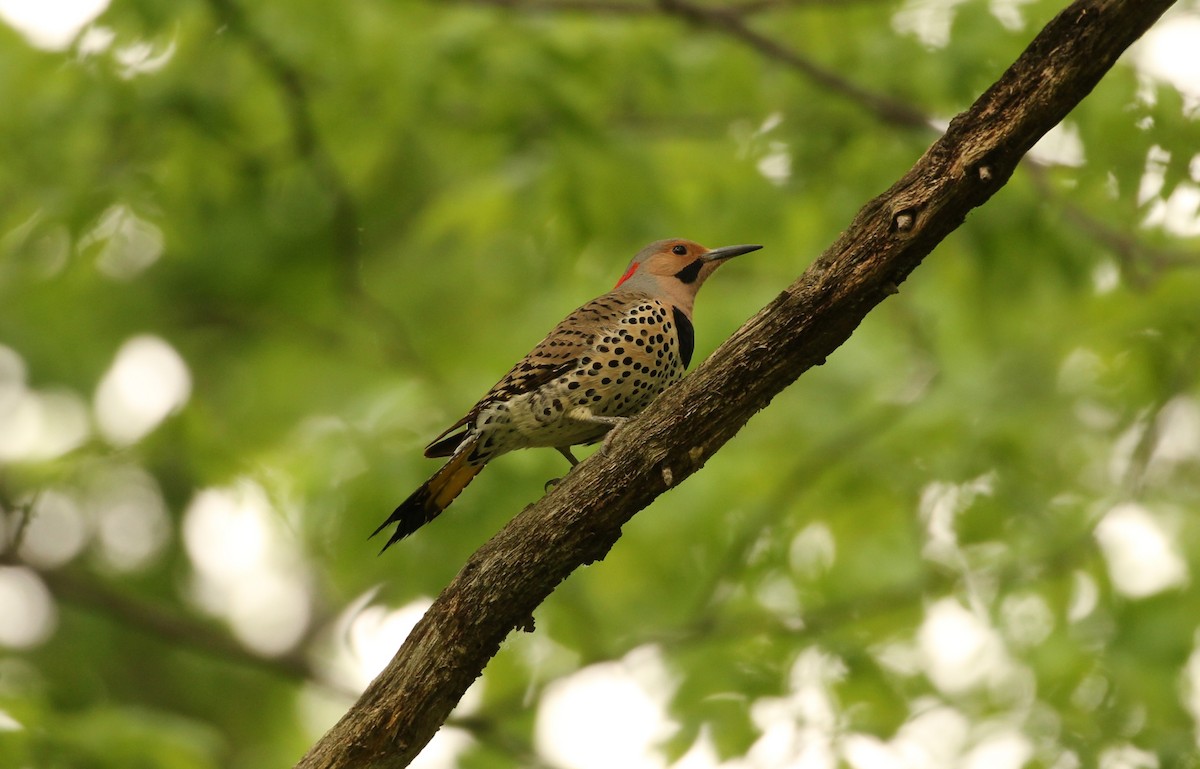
x,y
987,170
904,221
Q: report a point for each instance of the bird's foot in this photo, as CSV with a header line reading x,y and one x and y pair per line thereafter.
x,y
608,436
555,481
566,452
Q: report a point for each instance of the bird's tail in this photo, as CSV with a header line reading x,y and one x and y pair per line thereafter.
x,y
434,496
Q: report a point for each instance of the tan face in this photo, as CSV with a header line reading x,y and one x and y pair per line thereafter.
x,y
677,266
672,258
677,256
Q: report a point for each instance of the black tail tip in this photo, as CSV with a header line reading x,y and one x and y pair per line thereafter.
x,y
397,535
412,514
404,527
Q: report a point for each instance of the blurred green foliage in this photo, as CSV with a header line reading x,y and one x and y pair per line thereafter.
x,y
349,219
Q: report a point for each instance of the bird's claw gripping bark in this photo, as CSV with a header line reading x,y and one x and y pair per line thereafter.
x,y
608,436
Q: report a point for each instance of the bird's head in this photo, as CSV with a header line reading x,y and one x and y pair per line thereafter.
x,y
675,269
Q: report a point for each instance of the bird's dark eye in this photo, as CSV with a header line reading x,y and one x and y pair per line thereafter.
x,y
680,250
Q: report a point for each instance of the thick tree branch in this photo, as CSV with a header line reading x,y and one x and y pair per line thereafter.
x,y
580,520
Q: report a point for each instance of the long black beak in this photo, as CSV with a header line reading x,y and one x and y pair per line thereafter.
x,y
728,252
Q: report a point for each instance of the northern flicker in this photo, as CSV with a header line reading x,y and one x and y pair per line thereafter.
x,y
601,365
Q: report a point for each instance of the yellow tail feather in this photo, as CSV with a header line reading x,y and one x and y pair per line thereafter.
x,y
433,496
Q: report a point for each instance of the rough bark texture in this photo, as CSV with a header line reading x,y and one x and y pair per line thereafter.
x,y
576,524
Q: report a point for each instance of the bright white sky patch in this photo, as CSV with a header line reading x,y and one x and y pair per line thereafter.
x,y
776,165
1085,596
95,39
36,425
127,243
57,530
1106,276
934,736
608,715
42,425
1179,212
937,736
271,615
1142,559
27,608
1060,146
1178,429
1026,620
130,515
143,58
1154,176
927,20
365,638
772,157
960,651
1008,13
866,751
1007,749
940,504
443,750
50,24
1167,52
246,570
146,383
812,551
369,636
226,530
800,730
1128,757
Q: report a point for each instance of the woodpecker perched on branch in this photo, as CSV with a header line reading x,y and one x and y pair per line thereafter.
x,y
601,365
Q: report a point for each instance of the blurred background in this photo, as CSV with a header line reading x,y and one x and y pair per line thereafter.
x,y
253,256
